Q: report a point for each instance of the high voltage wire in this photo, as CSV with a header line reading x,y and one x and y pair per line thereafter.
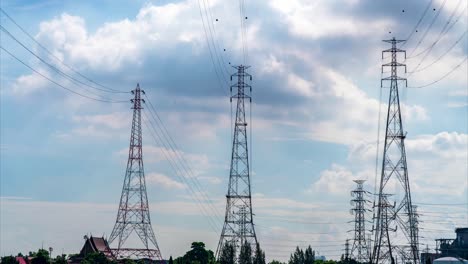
x,y
299,222
169,139
419,22
214,38
213,53
60,85
177,171
178,159
104,88
438,58
242,30
442,204
57,70
325,243
442,77
443,32
429,27
208,8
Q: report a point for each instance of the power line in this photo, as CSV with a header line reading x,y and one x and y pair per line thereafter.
x,y
105,88
442,204
438,58
58,84
441,78
175,149
300,222
418,23
429,27
216,40
177,171
242,29
443,32
215,65
57,70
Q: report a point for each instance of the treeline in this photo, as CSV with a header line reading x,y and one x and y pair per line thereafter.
x,y
39,257
197,254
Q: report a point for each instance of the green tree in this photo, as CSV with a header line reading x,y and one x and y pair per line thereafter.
x,y
8,260
41,257
276,262
297,257
309,256
259,256
61,259
245,254
228,254
96,258
198,254
171,261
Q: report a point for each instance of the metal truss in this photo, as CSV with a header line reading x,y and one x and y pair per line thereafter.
x,y
133,215
399,217
238,225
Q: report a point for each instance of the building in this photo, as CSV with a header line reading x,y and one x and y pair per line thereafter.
x,y
457,247
450,260
449,247
93,245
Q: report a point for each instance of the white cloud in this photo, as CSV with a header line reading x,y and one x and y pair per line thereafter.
x,y
33,82
431,159
212,180
337,180
117,43
158,179
99,126
325,22
117,120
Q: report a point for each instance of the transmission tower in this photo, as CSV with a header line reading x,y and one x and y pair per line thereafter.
x,y
394,167
359,249
133,214
346,255
238,222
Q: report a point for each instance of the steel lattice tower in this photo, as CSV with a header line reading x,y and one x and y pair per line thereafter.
x,y
238,222
394,166
359,249
133,214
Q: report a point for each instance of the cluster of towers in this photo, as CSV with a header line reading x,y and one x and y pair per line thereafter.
x,y
394,234
133,215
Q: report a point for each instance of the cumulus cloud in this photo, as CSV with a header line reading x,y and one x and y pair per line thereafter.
x,y
315,66
307,87
158,179
26,84
431,158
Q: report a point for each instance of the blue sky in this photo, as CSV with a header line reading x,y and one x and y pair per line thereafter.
x,y
316,77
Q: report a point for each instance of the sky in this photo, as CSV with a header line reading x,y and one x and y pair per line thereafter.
x,y
316,112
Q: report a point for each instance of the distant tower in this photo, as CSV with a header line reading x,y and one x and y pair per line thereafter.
x,y
133,214
394,167
359,249
346,250
238,222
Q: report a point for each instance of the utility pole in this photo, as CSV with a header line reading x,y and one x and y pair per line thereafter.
x,y
394,169
359,249
238,225
369,247
347,250
133,214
